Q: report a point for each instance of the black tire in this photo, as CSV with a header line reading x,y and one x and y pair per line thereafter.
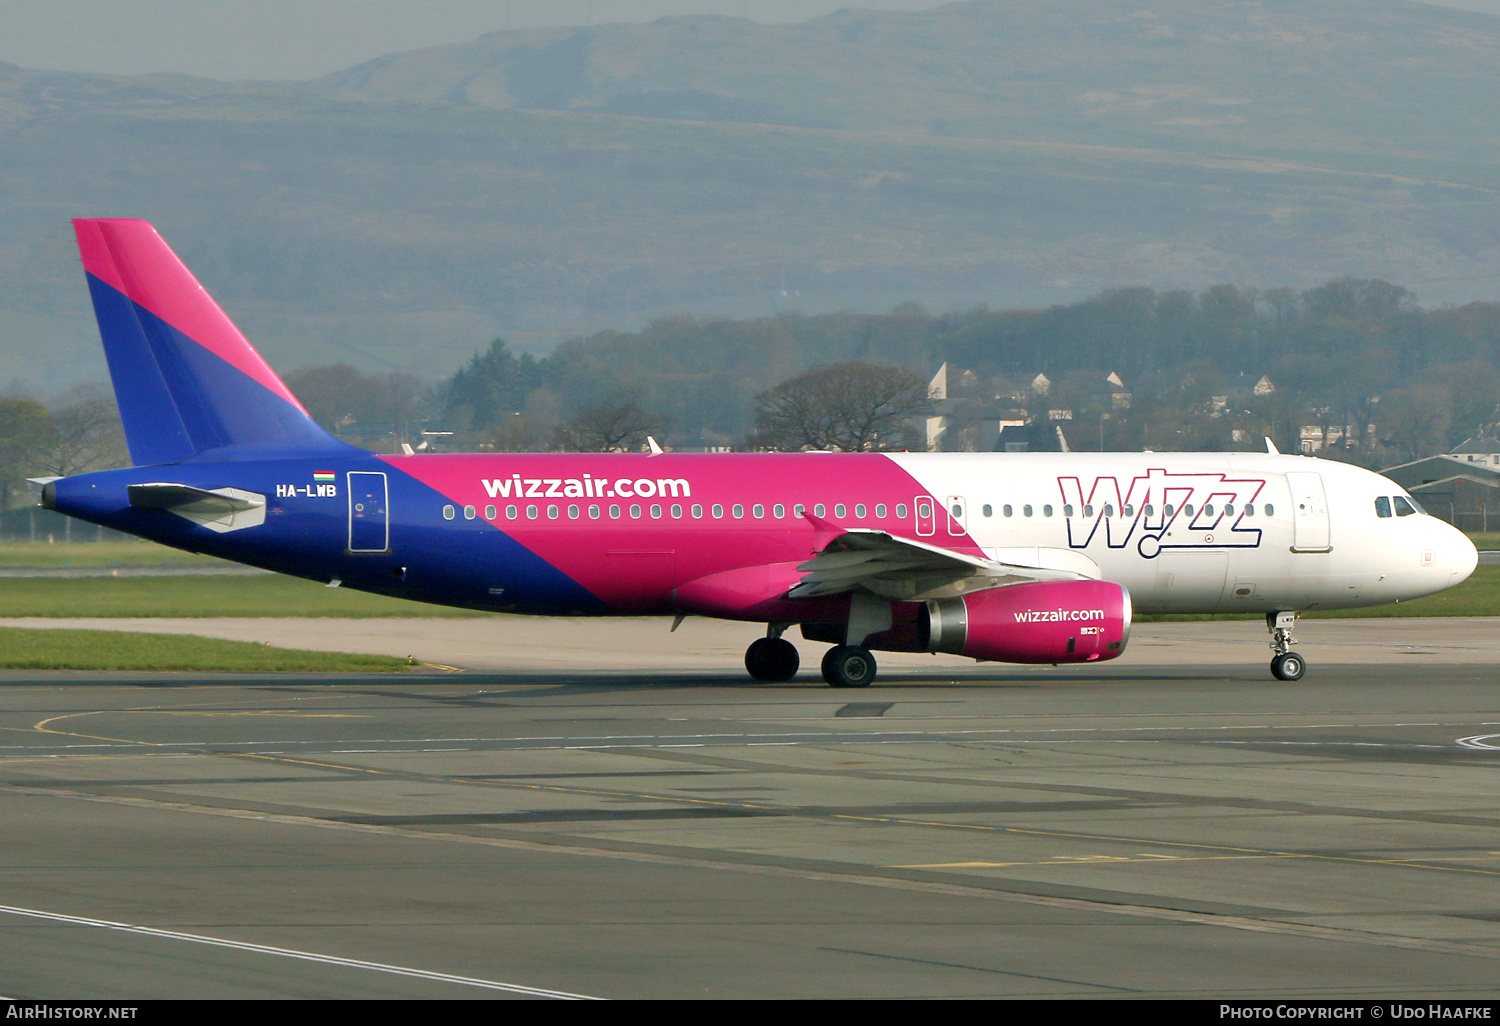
x,y
849,666
772,659
1288,666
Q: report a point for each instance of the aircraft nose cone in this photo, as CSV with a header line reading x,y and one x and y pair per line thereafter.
x,y
1465,558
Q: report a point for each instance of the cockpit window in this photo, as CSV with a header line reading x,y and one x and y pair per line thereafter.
x,y
1383,506
1404,507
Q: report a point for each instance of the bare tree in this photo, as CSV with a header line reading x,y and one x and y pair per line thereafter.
x,y
853,407
86,436
1413,420
607,427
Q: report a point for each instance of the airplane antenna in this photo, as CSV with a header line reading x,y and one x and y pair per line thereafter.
x,y
1271,447
656,450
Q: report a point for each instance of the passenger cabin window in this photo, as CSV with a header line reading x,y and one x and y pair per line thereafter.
x,y
1026,511
1129,510
635,511
840,511
1187,510
448,512
1109,510
676,511
1088,509
717,511
489,512
1067,509
469,513
1270,510
859,510
1403,507
655,511
1249,509
551,512
593,512
901,510
1383,506
988,510
697,511
1046,511
572,512
820,510
511,513
614,512
1006,509
778,511
1208,510
757,511
531,512
1146,510
880,510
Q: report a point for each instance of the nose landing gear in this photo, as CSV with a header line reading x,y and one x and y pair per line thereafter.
x,y
1285,664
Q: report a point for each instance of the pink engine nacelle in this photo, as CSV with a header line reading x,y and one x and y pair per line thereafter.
x,y
1045,622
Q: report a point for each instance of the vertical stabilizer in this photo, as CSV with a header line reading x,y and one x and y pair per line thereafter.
x,y
186,380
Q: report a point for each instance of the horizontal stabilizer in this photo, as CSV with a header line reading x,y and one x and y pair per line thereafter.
x,y
218,509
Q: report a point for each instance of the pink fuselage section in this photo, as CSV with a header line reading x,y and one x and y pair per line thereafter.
x,y
632,530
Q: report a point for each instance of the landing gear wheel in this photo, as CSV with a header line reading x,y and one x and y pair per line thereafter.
x,y
1288,666
772,659
848,666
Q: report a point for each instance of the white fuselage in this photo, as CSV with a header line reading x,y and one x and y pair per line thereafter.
x,y
1251,532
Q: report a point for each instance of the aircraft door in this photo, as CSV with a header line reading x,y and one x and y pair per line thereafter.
x,y
1311,531
958,515
926,516
369,513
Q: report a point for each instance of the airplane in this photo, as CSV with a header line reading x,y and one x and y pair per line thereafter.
x,y
1005,557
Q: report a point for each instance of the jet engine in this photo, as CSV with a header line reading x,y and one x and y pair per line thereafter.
x,y
1043,622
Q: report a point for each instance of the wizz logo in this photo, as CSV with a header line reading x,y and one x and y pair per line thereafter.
x,y
1160,510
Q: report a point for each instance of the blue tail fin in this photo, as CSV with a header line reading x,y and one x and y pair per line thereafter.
x,y
186,380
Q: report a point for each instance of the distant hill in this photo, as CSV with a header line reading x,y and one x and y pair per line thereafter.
x,y
551,183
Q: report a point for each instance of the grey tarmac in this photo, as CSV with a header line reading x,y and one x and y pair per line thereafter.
x,y
966,831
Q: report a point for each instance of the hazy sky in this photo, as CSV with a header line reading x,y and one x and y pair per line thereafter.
x,y
231,39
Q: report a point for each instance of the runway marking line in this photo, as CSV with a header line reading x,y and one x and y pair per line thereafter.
x,y
1271,926
304,956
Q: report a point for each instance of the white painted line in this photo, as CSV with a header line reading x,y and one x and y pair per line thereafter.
x,y
1479,740
305,956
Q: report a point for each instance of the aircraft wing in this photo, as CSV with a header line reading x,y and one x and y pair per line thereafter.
x,y
903,569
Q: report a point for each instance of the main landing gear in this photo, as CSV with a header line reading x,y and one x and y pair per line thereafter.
x,y
772,658
848,666
1285,664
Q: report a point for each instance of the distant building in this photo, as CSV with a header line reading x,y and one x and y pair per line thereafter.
x,y
1479,450
1464,492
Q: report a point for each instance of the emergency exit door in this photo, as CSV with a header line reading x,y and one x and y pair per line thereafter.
x,y
1311,531
369,515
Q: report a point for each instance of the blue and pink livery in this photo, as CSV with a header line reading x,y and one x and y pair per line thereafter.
x,y
1037,558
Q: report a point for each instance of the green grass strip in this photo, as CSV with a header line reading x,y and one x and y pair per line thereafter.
x,y
261,595
94,554
22,649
